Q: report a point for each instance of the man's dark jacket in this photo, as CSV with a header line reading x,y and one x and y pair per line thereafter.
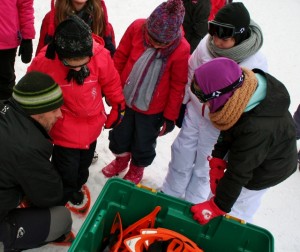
x,y
25,167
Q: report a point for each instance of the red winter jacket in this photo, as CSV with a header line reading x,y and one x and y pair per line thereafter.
x,y
169,92
83,108
216,5
48,26
16,22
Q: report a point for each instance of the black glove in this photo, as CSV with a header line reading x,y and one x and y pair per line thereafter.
x,y
25,50
179,120
167,127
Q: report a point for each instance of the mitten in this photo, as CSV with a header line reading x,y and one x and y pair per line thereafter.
x,y
181,115
167,127
115,116
216,172
204,212
25,50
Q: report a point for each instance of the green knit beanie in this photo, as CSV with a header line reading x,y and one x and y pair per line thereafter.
x,y
37,93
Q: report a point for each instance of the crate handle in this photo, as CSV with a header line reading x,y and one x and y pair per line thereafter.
x,y
146,187
227,216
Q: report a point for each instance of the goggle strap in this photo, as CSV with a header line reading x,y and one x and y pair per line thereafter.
x,y
225,90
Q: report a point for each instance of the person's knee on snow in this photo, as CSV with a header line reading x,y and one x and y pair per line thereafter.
x,y
60,223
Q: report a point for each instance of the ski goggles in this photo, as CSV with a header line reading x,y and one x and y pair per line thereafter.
x,y
66,63
223,31
206,97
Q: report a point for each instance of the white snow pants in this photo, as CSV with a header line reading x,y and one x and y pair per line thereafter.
x,y
188,173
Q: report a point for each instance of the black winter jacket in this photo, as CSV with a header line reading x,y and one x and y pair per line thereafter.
x,y
25,167
297,121
195,21
261,146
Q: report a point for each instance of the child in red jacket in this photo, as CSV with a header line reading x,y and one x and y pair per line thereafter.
x,y
85,72
93,12
152,60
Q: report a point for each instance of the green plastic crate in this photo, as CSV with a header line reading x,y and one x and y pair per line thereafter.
x,y
133,203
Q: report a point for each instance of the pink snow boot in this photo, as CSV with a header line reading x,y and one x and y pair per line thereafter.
x,y
117,165
135,174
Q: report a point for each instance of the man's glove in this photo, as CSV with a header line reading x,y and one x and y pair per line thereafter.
x,y
216,172
181,115
167,127
204,212
25,50
115,116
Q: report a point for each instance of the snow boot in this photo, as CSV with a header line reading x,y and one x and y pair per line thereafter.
x,y
135,174
77,198
116,166
80,202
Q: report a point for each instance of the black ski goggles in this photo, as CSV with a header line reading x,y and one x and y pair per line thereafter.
x,y
223,31
66,63
206,97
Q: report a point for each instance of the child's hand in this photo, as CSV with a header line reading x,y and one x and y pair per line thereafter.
x,y
167,127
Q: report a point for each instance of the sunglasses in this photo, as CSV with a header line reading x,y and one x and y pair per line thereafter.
x,y
206,97
65,62
223,31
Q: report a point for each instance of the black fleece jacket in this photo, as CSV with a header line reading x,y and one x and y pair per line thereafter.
x,y
25,167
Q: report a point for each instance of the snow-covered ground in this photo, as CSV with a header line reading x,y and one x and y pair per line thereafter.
x,y
279,20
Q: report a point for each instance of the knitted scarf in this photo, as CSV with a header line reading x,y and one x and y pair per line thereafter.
x,y
241,51
225,118
146,73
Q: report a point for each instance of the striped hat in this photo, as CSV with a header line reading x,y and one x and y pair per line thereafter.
x,y
37,93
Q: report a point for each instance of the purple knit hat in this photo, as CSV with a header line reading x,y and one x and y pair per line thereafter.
x,y
165,21
215,75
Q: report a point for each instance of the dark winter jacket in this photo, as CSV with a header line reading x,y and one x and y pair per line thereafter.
x,y
195,20
261,146
297,121
25,167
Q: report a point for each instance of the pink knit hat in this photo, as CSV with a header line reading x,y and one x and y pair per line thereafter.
x,y
165,21
216,75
